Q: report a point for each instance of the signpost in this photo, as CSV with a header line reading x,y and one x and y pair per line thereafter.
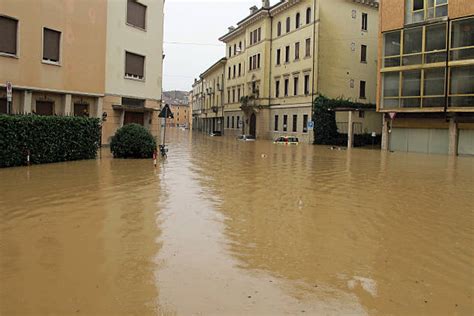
x,y
9,96
165,114
310,125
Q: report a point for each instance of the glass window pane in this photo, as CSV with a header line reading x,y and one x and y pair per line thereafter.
x,y
435,57
390,103
462,54
434,81
392,62
392,43
418,4
411,103
442,11
411,83
438,2
435,37
412,60
433,102
412,40
461,101
462,80
462,33
391,84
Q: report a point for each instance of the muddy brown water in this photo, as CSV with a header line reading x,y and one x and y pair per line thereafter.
x,y
225,227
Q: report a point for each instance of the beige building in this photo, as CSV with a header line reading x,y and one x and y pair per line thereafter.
x,y
96,58
196,96
280,57
426,76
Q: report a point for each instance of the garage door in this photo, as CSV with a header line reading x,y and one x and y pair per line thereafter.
x,y
420,140
466,142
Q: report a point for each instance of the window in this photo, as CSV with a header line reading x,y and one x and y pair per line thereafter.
x,y
233,125
364,21
297,21
229,73
295,85
306,84
233,95
308,47
240,69
287,84
136,14
234,71
461,92
287,54
361,114
3,106
251,38
51,45
228,121
288,24
278,57
81,109
305,123
295,123
259,34
240,46
421,10
238,94
276,123
279,29
44,108
228,96
362,90
8,39
254,60
363,53
308,15
392,49
238,121
462,39
297,50
258,61
285,123
277,88
134,66
250,63
230,51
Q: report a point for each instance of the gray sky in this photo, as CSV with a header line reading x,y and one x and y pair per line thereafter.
x,y
200,22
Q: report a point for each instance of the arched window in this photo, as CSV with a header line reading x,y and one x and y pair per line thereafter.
x,y
308,15
297,22
279,29
288,24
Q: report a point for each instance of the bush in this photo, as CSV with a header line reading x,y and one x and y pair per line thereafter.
x,y
47,138
133,141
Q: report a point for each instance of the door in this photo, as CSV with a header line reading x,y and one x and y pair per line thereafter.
x,y
133,117
3,106
44,107
253,125
419,140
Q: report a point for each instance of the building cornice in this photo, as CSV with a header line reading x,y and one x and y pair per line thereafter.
x,y
220,62
370,3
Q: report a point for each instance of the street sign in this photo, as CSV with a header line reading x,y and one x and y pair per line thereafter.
x,y
9,91
392,115
166,112
310,125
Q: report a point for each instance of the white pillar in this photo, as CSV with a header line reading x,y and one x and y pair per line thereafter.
x,y
67,104
350,131
27,101
385,135
453,137
122,118
99,107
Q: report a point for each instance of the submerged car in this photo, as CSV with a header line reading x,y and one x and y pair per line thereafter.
x,y
287,140
216,133
246,138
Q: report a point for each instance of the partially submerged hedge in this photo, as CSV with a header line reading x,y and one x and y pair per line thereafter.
x,y
133,141
47,138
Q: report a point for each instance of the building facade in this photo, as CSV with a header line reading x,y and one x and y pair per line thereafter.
x,y
99,58
196,105
426,76
280,57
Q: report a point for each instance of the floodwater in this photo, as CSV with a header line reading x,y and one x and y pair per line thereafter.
x,y
225,227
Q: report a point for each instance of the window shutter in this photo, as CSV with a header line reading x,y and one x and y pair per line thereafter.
x,y
8,36
51,41
136,14
134,65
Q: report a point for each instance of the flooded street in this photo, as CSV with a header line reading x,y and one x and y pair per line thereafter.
x,y
225,227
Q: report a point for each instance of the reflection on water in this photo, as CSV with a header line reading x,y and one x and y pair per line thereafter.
x,y
224,227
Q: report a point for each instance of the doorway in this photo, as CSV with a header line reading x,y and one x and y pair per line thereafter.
x,y
253,125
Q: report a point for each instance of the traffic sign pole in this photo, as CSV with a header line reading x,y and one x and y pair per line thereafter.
x,y
9,96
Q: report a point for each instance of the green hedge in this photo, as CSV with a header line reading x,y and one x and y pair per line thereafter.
x,y
133,141
47,138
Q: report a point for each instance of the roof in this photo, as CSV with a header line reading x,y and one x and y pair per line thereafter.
x,y
223,60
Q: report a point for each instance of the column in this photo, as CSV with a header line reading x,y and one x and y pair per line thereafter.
x,y
350,131
453,137
99,107
67,104
27,98
385,134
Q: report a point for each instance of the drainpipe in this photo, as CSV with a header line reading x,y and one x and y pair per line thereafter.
x,y
313,59
446,75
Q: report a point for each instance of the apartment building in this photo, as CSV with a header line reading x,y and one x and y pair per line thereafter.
x,y
426,76
99,58
196,104
213,87
280,57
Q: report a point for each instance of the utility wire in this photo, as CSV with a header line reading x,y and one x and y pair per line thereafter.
x,y
196,44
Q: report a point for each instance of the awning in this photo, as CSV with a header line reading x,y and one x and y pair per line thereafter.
x,y
131,108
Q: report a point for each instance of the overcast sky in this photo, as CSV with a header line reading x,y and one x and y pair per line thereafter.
x,y
192,29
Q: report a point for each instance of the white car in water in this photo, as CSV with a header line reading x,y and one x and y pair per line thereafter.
x,y
246,138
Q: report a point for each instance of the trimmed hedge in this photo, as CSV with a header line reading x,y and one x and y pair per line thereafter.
x,y
47,138
133,141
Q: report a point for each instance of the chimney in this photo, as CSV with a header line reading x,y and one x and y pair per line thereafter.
x,y
253,10
265,4
231,28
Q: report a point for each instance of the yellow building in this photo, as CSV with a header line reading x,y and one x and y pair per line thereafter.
x,y
426,76
100,58
280,57
196,104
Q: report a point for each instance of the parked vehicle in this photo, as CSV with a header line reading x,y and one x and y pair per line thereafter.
x,y
216,133
287,140
246,138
